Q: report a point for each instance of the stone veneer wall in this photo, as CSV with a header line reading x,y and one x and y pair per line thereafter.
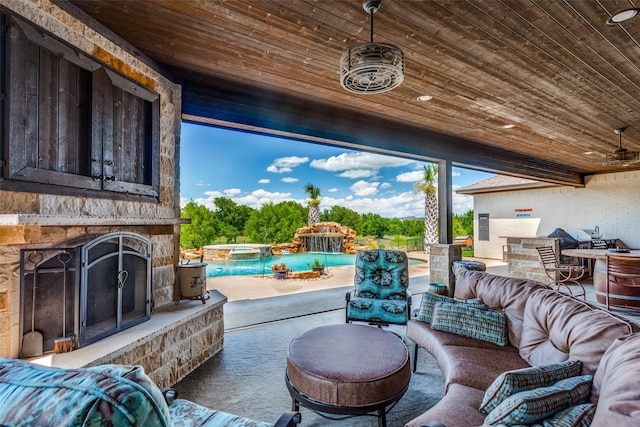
x,y
441,257
523,260
30,220
169,354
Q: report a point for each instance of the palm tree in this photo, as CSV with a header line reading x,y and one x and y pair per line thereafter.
x,y
314,203
428,187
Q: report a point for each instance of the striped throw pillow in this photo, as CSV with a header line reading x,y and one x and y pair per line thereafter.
x,y
575,416
512,382
429,301
469,321
532,406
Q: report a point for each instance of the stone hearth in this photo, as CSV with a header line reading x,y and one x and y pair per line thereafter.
x,y
175,341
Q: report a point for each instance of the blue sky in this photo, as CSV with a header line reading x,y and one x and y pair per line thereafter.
x,y
253,169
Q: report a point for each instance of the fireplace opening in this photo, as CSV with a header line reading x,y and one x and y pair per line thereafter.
x,y
86,292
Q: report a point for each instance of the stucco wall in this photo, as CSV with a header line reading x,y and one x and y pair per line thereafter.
x,y
609,201
44,220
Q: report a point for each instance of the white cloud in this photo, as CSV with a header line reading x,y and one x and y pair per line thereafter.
x,y
232,191
358,173
202,184
289,179
364,188
413,176
332,190
399,206
264,181
385,185
358,165
286,164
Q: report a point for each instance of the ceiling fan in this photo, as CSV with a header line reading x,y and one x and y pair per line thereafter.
x,y
621,156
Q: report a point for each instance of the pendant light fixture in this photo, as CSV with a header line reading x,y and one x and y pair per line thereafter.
x,y
372,67
622,156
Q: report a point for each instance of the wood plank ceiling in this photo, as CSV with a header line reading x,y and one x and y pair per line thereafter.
x,y
551,67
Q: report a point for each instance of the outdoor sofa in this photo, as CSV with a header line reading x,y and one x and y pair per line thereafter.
x,y
116,395
560,361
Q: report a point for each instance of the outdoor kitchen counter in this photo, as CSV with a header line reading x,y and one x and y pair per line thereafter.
x,y
600,267
598,254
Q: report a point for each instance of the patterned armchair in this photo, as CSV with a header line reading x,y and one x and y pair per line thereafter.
x,y
381,294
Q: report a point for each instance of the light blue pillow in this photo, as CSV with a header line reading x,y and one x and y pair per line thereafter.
x,y
512,382
532,406
469,321
429,301
575,416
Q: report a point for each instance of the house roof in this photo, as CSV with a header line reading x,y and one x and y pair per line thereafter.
x,y
501,183
553,69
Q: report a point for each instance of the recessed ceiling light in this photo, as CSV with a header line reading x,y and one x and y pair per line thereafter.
x,y
509,126
623,15
423,98
588,152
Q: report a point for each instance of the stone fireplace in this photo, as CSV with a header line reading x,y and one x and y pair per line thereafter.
x,y
86,290
92,178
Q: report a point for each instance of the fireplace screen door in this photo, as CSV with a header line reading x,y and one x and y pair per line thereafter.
x,y
115,285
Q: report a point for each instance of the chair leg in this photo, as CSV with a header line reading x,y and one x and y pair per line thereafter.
x,y
415,357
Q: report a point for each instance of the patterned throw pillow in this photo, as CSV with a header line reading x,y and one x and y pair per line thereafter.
x,y
575,416
429,301
469,321
512,382
532,406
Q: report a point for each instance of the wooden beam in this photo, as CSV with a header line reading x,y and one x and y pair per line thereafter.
x,y
226,101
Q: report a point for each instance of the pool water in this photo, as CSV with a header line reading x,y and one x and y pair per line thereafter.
x,y
296,262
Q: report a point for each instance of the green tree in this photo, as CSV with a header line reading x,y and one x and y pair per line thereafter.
x,y
314,203
232,218
428,187
393,226
203,228
413,227
373,225
279,222
464,223
343,216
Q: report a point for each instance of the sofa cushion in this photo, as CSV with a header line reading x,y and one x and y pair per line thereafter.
x,y
477,367
466,320
429,301
574,416
615,384
558,328
53,396
458,408
528,407
512,382
505,294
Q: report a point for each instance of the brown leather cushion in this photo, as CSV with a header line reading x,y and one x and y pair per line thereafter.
x,y
558,328
616,381
458,408
349,365
506,294
463,360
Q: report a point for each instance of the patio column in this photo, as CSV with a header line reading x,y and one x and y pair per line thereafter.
x,y
445,201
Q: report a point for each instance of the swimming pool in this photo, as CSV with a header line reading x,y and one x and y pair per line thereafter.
x,y
296,262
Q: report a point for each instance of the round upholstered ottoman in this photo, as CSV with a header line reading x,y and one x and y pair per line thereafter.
x,y
347,369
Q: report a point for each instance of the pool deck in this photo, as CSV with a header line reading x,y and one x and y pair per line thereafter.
x,y
253,287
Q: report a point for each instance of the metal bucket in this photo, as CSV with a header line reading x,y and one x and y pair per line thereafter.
x,y
192,280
